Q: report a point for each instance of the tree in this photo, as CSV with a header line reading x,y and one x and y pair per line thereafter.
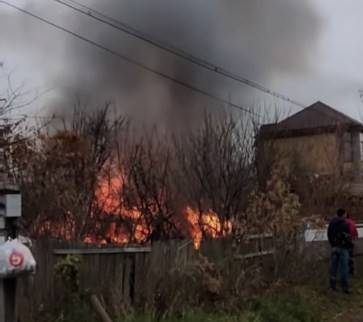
x,y
15,128
141,188
215,168
60,177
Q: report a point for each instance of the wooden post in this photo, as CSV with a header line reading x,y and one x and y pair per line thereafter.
x,y
100,309
356,151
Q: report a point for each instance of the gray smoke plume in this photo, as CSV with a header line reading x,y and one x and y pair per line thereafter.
x,y
258,39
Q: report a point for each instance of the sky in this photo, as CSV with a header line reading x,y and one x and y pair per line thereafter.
x,y
307,50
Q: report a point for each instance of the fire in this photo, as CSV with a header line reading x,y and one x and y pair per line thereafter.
x,y
60,230
56,230
109,199
199,224
207,223
106,194
125,225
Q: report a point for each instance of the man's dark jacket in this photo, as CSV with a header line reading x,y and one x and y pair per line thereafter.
x,y
339,233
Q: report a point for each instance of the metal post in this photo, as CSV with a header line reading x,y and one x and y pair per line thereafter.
x,y
9,211
9,285
7,288
2,290
2,302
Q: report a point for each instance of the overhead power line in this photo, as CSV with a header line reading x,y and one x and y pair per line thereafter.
x,y
121,26
128,59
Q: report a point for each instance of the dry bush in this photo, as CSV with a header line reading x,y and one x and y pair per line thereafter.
x,y
194,284
274,210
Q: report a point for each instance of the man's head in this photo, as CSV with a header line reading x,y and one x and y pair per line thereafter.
x,y
341,212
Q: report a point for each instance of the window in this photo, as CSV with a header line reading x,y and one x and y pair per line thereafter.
x,y
348,147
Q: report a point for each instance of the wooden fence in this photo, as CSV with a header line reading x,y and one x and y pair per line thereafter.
x,y
134,275
130,275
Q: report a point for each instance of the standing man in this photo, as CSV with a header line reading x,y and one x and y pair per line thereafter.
x,y
340,242
354,235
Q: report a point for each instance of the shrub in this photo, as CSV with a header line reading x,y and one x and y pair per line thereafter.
x,y
286,308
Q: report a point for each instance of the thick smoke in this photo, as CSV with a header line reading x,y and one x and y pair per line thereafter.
x,y
259,39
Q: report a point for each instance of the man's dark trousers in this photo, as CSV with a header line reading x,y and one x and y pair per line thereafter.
x,y
339,263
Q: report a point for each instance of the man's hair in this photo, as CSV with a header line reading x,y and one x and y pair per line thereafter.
x,y
340,212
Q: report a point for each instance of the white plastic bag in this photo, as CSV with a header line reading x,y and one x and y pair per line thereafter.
x,y
15,259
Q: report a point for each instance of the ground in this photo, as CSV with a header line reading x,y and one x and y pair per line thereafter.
x,y
311,301
339,307
348,308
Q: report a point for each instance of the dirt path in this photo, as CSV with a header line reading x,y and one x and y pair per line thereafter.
x,y
350,316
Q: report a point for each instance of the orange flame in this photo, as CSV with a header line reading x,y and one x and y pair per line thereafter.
x,y
207,223
109,200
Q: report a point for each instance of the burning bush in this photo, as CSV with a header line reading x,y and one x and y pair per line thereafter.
x,y
105,183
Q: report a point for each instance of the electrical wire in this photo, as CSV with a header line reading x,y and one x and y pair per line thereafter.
x,y
121,26
128,59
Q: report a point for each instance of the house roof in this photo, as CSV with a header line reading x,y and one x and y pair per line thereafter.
x,y
317,117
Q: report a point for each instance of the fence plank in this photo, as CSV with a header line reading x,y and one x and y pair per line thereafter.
x,y
95,251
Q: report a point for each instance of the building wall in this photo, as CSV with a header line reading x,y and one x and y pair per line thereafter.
x,y
314,154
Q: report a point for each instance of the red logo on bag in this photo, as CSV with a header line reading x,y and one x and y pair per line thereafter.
x,y
16,259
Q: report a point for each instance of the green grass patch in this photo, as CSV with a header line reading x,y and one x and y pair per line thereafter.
x,y
285,308
299,304
292,307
